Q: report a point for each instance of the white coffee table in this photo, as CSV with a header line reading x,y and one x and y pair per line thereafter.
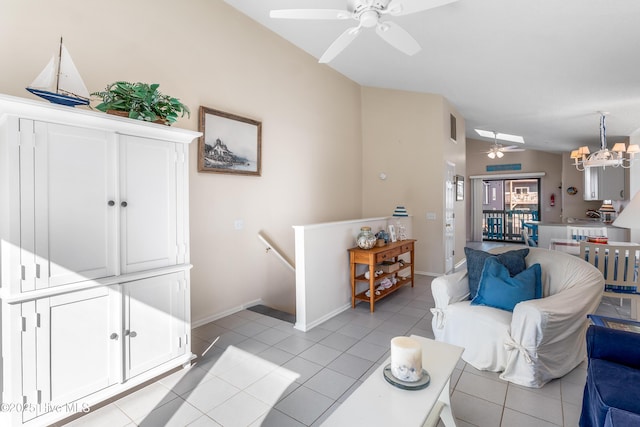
x,y
378,403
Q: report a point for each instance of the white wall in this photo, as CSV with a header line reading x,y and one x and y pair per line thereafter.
x,y
406,136
323,284
206,53
634,184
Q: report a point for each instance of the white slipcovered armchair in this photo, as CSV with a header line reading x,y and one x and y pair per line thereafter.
x,y
542,339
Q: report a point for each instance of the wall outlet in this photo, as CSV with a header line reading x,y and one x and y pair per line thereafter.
x,y
238,224
431,216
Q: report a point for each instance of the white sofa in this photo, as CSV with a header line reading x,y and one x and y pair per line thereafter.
x,y
542,339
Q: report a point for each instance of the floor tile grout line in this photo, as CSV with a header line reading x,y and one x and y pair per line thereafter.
x,y
392,319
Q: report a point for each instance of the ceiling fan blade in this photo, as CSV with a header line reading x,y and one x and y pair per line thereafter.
x,y
511,138
310,14
508,148
397,37
339,44
405,7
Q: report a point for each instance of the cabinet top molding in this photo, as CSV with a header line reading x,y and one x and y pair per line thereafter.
x,y
27,108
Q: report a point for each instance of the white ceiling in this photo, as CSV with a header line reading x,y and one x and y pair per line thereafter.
x,y
537,68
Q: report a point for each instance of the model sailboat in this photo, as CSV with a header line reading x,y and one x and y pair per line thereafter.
x,y
60,81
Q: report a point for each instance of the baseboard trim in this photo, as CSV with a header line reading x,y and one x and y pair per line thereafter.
x,y
225,313
427,273
305,327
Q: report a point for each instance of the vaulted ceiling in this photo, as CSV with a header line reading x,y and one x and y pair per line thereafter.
x,y
537,68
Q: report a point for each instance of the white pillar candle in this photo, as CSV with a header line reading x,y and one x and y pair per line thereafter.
x,y
406,359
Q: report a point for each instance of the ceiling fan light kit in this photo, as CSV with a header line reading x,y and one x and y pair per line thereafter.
x,y
495,153
368,14
498,150
583,158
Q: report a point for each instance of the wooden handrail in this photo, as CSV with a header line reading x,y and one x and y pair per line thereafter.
x,y
277,253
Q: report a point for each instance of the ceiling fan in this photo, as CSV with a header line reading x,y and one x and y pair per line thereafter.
x,y
498,150
368,14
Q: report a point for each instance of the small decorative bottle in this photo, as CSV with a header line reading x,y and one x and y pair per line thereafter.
x,y
402,231
366,239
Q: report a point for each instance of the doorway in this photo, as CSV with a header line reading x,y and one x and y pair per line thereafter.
x,y
449,216
509,206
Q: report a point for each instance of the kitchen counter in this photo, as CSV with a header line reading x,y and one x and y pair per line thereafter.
x,y
558,230
578,222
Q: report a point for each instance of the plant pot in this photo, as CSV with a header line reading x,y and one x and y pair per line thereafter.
x,y
122,113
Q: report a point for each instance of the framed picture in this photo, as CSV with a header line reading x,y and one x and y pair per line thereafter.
x,y
229,143
392,233
459,187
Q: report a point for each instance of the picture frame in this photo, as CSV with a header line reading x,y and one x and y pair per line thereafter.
x,y
392,233
229,144
459,188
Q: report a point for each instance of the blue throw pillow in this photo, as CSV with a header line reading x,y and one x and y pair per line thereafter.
x,y
513,260
498,289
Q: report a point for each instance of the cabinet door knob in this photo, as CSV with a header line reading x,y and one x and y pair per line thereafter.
x,y
123,204
133,334
114,336
111,203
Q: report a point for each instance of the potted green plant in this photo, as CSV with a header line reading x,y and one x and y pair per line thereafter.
x,y
141,101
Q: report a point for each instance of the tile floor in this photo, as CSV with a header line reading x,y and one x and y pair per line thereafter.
x,y
254,370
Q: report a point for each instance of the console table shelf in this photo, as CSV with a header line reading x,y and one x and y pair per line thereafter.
x,y
372,257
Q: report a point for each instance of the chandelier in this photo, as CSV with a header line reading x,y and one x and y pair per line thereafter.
x,y
604,157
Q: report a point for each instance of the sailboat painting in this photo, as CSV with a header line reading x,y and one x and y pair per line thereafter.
x,y
60,81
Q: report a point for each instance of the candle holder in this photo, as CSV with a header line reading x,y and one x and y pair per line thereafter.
x,y
405,370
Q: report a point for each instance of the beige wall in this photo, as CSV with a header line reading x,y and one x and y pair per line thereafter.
x,y
206,53
531,161
406,137
574,206
456,153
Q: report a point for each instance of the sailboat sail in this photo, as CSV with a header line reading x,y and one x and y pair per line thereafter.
x,y
46,80
60,81
70,81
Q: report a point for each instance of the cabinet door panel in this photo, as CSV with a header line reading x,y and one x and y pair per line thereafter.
x,y
29,356
154,315
148,187
75,227
77,329
28,259
592,183
613,184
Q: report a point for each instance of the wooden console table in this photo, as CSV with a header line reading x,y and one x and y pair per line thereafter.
x,y
372,257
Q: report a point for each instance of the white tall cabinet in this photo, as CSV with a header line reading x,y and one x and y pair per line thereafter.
x,y
94,257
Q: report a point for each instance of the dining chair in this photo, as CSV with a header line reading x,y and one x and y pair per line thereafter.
x,y
534,231
528,240
581,233
619,266
495,230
